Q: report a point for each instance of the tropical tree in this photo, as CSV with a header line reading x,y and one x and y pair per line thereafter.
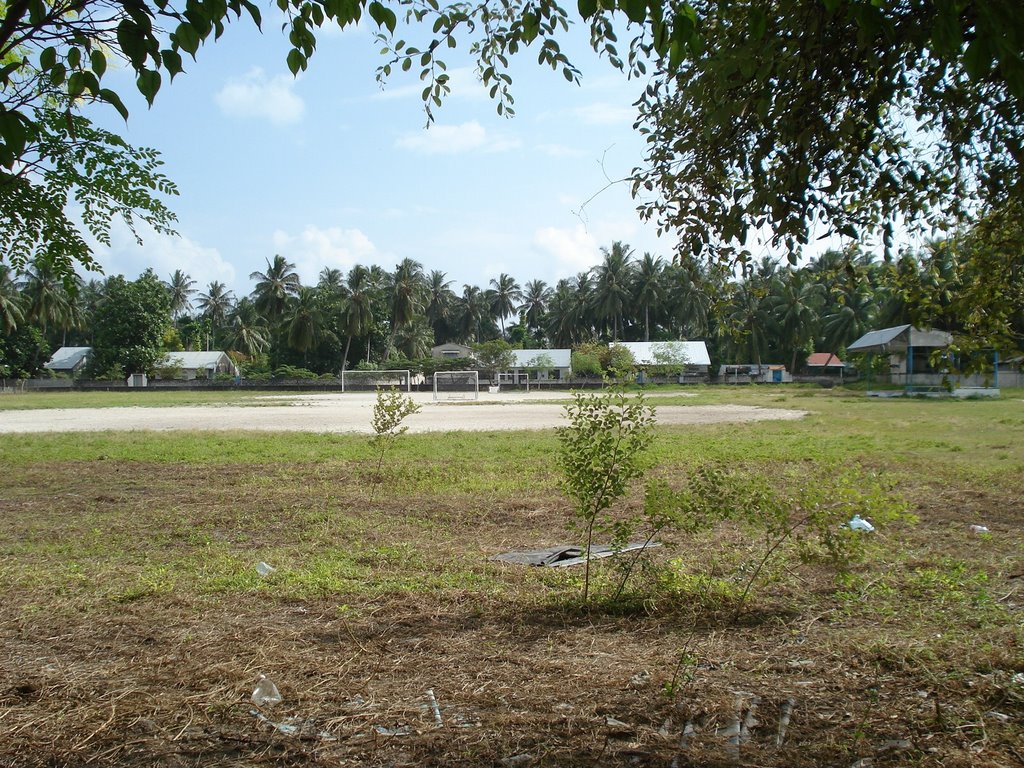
x,y
648,287
613,279
182,289
305,321
536,296
471,311
47,301
357,311
247,329
440,304
11,312
215,305
130,324
793,307
274,287
504,297
407,289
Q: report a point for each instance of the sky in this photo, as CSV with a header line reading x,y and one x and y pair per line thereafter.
x,y
328,170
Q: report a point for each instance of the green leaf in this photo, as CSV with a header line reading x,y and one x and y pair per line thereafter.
x,y
48,58
296,61
114,100
531,27
99,62
587,8
384,16
636,10
148,83
74,58
76,84
57,74
187,38
132,42
172,62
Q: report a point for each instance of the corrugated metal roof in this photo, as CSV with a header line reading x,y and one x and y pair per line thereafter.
x,y
662,352
194,360
899,338
67,358
527,358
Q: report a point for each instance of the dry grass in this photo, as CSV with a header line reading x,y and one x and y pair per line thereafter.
x,y
133,629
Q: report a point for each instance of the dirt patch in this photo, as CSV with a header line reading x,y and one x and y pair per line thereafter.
x,y
351,413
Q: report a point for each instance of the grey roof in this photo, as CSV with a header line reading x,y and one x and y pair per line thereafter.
x,y
68,358
527,358
662,352
898,338
195,360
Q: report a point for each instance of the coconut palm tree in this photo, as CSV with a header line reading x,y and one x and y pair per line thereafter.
x,y
504,298
793,306
648,288
331,279
247,329
304,320
440,304
182,289
407,289
357,311
274,287
215,305
471,310
47,302
11,312
612,280
536,296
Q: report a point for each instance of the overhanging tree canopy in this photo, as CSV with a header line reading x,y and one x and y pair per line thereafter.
x,y
759,113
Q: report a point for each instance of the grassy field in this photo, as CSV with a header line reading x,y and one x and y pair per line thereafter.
x,y
134,623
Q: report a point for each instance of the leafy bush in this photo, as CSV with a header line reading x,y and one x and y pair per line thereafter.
x,y
601,452
291,372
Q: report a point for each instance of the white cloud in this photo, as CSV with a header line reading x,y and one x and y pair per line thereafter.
x,y
256,96
604,113
165,254
314,248
455,139
463,82
573,249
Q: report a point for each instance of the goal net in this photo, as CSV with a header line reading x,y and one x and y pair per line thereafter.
x,y
456,385
367,381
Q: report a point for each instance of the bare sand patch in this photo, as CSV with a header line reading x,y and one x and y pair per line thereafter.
x,y
350,412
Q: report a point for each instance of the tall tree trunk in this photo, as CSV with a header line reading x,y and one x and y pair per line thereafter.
x,y
647,323
344,358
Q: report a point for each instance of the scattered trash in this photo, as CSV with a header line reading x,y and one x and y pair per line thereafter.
x,y
265,693
517,760
432,700
858,524
1018,678
618,729
787,711
640,678
264,570
895,745
979,529
568,554
295,726
998,716
749,721
864,762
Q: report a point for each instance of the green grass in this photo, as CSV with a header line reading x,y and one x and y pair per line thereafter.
x,y
145,398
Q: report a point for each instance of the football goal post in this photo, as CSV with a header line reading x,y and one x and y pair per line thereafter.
x,y
456,385
368,381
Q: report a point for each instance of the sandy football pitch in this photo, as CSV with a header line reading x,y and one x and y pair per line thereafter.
x,y
350,412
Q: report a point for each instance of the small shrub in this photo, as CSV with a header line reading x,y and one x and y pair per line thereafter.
x,y
601,452
389,411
